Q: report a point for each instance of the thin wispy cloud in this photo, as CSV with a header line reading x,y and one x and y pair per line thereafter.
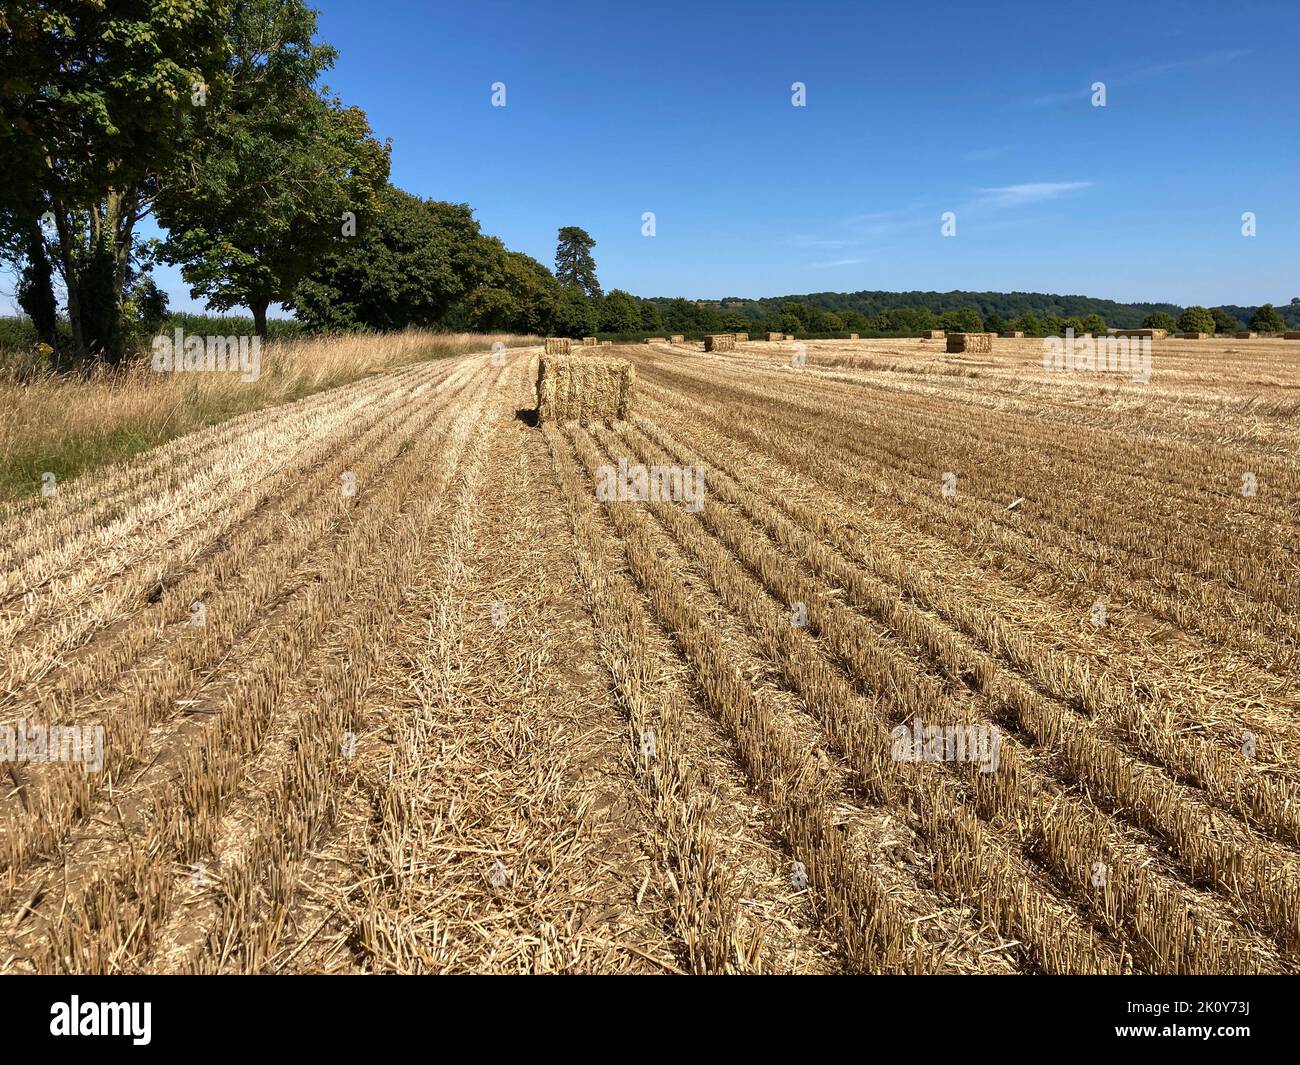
x,y
820,243
1030,192
1053,99
837,262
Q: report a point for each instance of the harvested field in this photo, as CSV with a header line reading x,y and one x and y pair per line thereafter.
x,y
444,706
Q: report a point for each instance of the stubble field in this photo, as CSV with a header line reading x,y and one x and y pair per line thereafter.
x,y
470,717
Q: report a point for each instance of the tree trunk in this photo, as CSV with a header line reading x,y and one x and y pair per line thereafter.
x,y
259,317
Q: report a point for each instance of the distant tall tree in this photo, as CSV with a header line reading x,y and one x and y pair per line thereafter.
x,y
1266,319
994,323
574,265
1196,320
1160,320
1094,324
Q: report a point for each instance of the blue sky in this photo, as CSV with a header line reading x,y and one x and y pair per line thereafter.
x,y
913,109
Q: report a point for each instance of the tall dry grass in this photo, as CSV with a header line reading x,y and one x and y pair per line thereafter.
x,y
70,423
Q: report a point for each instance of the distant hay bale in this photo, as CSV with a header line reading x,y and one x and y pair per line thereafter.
x,y
656,340
1194,336
853,336
606,343
1291,336
741,337
720,342
589,342
775,336
1246,336
590,388
676,338
932,334
788,336
558,345
1014,334
974,343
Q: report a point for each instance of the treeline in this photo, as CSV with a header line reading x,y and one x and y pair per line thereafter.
x,y
1006,306
857,309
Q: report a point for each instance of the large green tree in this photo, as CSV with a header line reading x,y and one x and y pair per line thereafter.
x,y
962,320
1160,320
409,262
518,295
1196,320
574,265
576,315
621,313
276,175
94,101
1224,322
1266,319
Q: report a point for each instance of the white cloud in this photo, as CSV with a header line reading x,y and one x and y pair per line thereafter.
x,y
1031,192
1084,92
837,262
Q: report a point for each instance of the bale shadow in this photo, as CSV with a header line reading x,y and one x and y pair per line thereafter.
x,y
527,415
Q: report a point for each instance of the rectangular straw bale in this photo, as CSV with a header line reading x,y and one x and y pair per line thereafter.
x,y
720,342
1246,336
1194,336
976,343
558,345
741,337
1014,334
676,338
932,334
1291,336
775,336
589,342
593,388
656,340
853,336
